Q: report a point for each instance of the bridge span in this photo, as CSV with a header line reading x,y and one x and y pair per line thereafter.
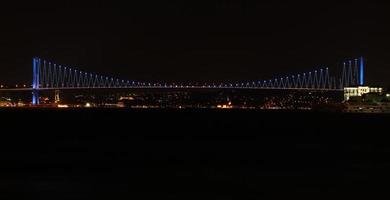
x,y
50,76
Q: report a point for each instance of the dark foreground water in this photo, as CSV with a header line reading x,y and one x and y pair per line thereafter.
x,y
203,154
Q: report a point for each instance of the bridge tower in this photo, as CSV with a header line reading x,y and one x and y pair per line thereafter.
x,y
362,71
35,83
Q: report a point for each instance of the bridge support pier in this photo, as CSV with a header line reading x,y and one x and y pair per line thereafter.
x,y
57,98
35,97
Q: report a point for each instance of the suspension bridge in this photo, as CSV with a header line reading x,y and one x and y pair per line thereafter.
x,y
51,76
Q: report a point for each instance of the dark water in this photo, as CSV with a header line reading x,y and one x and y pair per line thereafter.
x,y
123,154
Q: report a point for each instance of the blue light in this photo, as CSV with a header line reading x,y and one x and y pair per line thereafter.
x,y
35,85
35,98
361,71
34,73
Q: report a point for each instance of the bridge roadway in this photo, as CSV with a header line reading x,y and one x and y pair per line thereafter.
x,y
167,88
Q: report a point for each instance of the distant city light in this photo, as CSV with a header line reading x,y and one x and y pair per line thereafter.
x,y
63,106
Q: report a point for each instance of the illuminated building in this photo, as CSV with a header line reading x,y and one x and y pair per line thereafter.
x,y
359,91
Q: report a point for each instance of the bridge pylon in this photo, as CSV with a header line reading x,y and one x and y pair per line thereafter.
x,y
35,83
361,72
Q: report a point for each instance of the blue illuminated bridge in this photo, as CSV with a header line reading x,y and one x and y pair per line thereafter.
x,y
51,76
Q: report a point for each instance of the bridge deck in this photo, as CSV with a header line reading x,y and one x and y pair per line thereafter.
x,y
168,88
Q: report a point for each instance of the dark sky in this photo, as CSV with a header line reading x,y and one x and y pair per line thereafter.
x,y
186,41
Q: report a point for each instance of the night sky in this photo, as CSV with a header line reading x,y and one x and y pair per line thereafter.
x,y
193,41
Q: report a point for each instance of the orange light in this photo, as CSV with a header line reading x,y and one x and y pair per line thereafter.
x,y
63,106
